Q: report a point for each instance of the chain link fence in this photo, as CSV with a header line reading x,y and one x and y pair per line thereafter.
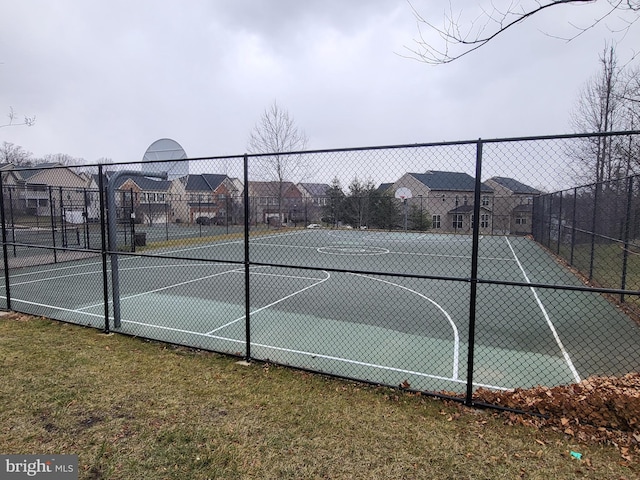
x,y
442,268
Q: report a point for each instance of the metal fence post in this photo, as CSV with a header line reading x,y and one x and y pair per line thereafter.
x,y
63,229
5,258
474,274
132,221
166,220
594,220
52,210
103,248
247,306
559,225
13,222
85,213
550,220
573,225
625,250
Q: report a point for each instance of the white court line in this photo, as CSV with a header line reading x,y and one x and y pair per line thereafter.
x,y
382,367
282,276
281,246
456,338
54,307
271,304
235,242
465,257
565,354
199,247
317,355
301,352
388,252
179,284
93,272
180,330
54,269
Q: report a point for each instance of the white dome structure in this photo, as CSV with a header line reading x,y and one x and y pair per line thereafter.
x,y
158,158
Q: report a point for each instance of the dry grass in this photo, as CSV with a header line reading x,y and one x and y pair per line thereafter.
x,y
133,409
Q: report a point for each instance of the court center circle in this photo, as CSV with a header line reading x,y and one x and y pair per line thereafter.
x,y
348,249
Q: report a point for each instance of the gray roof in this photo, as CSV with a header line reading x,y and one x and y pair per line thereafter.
x,y
385,186
146,184
35,169
206,182
316,189
515,186
449,181
270,189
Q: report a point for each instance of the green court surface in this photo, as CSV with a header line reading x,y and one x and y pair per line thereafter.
x,y
321,300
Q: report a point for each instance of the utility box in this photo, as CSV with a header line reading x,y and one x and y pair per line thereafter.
x,y
140,239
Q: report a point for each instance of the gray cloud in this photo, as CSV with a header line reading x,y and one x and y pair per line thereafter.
x,y
106,79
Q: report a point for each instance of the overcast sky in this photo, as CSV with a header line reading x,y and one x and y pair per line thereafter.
x,y
106,79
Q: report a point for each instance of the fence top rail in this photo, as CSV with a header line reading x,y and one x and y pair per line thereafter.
x,y
591,185
353,149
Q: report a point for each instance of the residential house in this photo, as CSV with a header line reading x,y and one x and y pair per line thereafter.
x,y
448,199
314,200
512,206
275,203
383,187
46,189
207,198
148,199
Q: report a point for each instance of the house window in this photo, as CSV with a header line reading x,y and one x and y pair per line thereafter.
x,y
521,220
457,221
485,201
435,221
484,220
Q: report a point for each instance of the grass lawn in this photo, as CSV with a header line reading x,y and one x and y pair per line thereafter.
x,y
133,409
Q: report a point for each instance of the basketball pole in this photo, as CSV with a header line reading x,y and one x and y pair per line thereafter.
x,y
404,200
113,232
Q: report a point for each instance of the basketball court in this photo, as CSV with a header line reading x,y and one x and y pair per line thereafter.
x,y
309,310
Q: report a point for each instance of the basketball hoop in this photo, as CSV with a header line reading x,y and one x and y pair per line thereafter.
x,y
403,193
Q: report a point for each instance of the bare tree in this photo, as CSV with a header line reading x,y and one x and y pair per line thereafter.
x,y
277,143
455,39
602,107
26,120
15,154
63,159
630,94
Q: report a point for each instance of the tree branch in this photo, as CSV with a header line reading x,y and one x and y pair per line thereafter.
x,y
28,121
495,22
